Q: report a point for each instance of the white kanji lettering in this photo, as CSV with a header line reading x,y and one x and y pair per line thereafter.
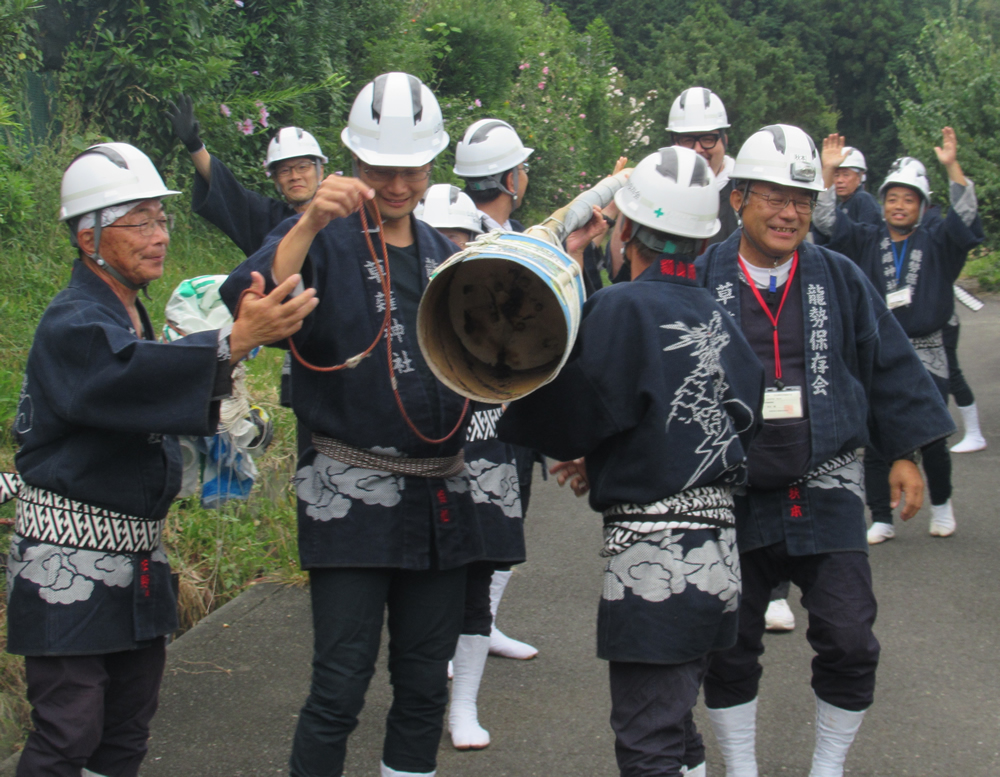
x,y
401,362
819,385
380,301
724,293
397,329
818,364
817,316
818,341
816,294
372,270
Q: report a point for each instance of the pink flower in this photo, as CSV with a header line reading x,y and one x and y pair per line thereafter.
x,y
541,53
478,104
263,114
583,116
524,66
224,110
522,106
583,173
571,149
245,126
548,110
255,72
541,84
470,107
545,70
239,3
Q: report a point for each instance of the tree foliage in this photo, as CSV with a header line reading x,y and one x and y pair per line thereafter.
x,y
952,78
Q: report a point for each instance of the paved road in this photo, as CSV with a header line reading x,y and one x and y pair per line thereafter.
x,y
234,684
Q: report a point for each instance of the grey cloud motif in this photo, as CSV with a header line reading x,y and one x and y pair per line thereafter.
x,y
329,486
65,576
657,568
851,476
493,483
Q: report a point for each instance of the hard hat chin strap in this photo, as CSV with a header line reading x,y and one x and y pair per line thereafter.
x,y
100,262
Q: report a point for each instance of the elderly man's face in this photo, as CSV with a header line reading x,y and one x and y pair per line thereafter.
x,y
710,145
136,244
846,181
776,217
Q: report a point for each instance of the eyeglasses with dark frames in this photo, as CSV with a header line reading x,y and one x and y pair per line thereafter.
x,y
301,168
707,142
780,202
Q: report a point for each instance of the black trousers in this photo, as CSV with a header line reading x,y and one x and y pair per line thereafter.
x,y
958,386
937,468
91,712
837,593
348,606
651,716
478,619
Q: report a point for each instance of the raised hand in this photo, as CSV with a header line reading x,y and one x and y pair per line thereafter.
x,y
337,196
832,156
947,152
186,126
264,319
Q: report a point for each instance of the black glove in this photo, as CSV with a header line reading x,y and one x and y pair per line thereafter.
x,y
186,126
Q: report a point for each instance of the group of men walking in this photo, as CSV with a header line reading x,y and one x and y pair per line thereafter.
x,y
713,404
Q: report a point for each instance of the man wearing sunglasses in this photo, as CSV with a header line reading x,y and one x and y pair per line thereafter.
x,y
839,371
698,121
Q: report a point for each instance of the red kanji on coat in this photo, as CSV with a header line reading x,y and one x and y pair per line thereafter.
x,y
794,492
666,267
796,511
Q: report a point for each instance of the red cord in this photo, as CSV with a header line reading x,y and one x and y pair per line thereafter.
x,y
382,267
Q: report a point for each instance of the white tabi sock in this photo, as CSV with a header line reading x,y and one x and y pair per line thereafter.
x,y
500,643
387,772
835,731
942,520
736,732
694,771
973,440
463,718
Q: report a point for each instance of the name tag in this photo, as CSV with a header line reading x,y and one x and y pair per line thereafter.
x,y
782,403
899,298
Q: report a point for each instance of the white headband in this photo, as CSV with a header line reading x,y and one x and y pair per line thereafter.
x,y
109,215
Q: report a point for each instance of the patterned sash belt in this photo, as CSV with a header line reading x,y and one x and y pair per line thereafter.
x,y
704,507
930,349
442,467
43,516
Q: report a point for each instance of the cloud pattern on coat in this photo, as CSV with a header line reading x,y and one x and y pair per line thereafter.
x,y
657,568
330,487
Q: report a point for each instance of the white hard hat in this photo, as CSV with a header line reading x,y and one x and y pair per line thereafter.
x,y
697,110
108,174
395,121
907,171
448,207
489,147
290,143
673,191
854,160
782,154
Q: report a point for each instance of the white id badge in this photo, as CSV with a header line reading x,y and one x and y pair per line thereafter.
x,y
782,403
899,298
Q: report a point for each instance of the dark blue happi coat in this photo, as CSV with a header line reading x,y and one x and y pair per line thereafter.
x,y
660,394
244,216
351,516
95,421
493,479
864,382
934,256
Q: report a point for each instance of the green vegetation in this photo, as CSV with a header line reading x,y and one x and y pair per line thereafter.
x,y
583,81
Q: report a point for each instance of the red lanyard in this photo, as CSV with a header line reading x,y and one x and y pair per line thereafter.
x,y
767,310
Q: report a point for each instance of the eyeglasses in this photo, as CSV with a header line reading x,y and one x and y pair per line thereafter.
x,y
707,142
301,168
780,202
148,228
387,174
525,166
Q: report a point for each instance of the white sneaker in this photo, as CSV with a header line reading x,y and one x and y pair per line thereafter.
x,y
779,616
942,520
880,532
